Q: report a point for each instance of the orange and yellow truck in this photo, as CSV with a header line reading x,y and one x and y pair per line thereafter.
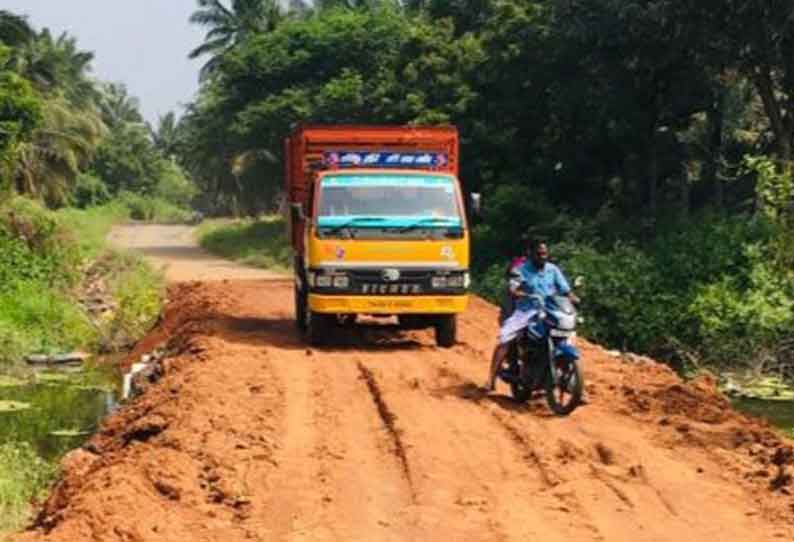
x,y
378,227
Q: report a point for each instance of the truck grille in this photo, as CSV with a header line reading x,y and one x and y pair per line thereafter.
x,y
372,283
391,289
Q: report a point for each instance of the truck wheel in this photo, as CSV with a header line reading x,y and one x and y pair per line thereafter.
x,y
446,331
317,327
300,309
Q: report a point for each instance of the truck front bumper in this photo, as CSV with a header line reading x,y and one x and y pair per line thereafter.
x,y
340,304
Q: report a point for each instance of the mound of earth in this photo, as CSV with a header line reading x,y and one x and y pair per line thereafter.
x,y
250,435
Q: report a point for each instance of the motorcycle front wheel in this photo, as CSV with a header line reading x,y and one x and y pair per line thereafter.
x,y
520,392
564,390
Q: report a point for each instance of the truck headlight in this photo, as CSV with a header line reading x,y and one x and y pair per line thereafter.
x,y
342,282
456,281
323,281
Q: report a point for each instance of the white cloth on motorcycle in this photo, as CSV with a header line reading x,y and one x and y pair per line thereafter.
x,y
515,324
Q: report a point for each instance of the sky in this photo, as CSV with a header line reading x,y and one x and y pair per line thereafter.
x,y
141,43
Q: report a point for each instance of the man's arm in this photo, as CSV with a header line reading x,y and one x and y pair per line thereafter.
x,y
564,288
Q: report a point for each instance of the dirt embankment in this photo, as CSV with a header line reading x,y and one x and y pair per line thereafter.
x,y
250,435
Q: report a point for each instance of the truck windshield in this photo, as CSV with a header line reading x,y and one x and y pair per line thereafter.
x,y
388,201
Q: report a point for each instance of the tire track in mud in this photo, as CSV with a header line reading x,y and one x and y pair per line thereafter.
x,y
388,418
546,493
499,486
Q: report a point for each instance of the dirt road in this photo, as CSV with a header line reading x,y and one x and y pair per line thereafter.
x,y
250,435
174,249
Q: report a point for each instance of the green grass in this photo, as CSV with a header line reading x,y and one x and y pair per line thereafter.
x,y
39,312
38,319
139,291
260,243
91,226
24,476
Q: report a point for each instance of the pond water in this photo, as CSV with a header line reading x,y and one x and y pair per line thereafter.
x,y
57,410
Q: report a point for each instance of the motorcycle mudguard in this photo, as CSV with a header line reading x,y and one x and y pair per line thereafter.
x,y
566,350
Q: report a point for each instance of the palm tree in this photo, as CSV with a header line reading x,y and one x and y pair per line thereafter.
x,y
48,165
230,25
165,136
57,66
118,107
14,29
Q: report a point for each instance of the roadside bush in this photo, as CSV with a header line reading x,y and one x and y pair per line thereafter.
x,y
90,191
34,245
24,476
153,209
709,293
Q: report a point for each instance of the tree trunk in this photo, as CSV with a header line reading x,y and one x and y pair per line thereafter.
x,y
715,120
686,192
780,126
653,180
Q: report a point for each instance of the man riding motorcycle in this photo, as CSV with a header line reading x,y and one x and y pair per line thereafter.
x,y
536,276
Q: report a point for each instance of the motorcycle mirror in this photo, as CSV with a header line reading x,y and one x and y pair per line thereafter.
x,y
476,203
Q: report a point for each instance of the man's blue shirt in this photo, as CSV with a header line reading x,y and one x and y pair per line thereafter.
x,y
546,282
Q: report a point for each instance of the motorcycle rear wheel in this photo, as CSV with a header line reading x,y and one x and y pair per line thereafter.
x,y
565,395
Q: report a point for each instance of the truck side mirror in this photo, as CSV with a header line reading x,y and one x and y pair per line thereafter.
x,y
297,212
476,203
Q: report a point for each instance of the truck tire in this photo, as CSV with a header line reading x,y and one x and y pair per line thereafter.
x,y
317,327
300,308
446,331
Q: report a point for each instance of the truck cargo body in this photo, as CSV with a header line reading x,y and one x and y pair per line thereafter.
x,y
378,226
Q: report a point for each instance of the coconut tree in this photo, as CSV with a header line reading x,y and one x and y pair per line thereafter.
x,y
57,67
47,166
229,24
165,135
118,107
14,29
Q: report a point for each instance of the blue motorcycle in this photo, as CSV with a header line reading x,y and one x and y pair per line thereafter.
x,y
543,357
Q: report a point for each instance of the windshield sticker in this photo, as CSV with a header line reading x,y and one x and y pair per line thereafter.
x,y
447,183
384,159
411,222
